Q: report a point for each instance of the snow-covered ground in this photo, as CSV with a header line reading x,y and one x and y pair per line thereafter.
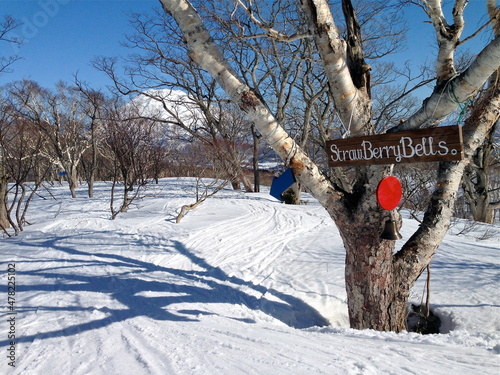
x,y
243,285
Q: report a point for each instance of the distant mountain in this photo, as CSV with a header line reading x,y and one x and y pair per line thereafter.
x,y
173,109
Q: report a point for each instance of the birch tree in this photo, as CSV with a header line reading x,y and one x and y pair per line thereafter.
x,y
477,182
378,281
59,117
485,109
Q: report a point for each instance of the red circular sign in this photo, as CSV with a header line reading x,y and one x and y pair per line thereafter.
x,y
389,193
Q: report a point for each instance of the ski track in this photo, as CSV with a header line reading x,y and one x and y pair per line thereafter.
x,y
258,247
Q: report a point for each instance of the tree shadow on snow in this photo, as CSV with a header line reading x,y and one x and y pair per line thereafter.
x,y
137,296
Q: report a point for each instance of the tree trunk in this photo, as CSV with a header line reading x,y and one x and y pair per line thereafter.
x,y
351,98
90,187
230,158
92,167
235,184
246,183
475,186
375,301
448,37
376,296
73,182
255,160
485,110
4,220
185,209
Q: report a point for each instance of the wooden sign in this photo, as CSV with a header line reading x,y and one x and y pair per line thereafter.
x,y
423,145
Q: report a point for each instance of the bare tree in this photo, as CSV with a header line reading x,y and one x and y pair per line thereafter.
x,y
59,117
22,144
130,140
378,281
92,103
286,71
205,187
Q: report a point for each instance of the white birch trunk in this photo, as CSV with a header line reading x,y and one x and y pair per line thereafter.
x,y
351,102
448,37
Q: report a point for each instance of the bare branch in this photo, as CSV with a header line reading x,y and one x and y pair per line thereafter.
x,y
269,31
445,100
7,26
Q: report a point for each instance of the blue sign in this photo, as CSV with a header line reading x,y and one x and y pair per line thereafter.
x,y
63,173
281,183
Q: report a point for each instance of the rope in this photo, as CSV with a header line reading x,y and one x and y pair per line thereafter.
x,y
463,107
347,131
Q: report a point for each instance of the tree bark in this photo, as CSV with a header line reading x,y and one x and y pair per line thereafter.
x,y
475,184
486,110
448,37
370,287
4,221
255,160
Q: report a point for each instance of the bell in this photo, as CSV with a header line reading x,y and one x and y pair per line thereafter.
x,y
390,231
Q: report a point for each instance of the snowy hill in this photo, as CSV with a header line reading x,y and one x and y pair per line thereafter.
x,y
243,285
178,106
169,106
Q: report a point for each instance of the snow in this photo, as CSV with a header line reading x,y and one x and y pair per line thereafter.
x,y
243,285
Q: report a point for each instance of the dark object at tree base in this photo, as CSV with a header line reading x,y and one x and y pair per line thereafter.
x,y
288,197
418,321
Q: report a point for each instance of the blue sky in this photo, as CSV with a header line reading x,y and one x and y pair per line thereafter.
x,y
63,36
